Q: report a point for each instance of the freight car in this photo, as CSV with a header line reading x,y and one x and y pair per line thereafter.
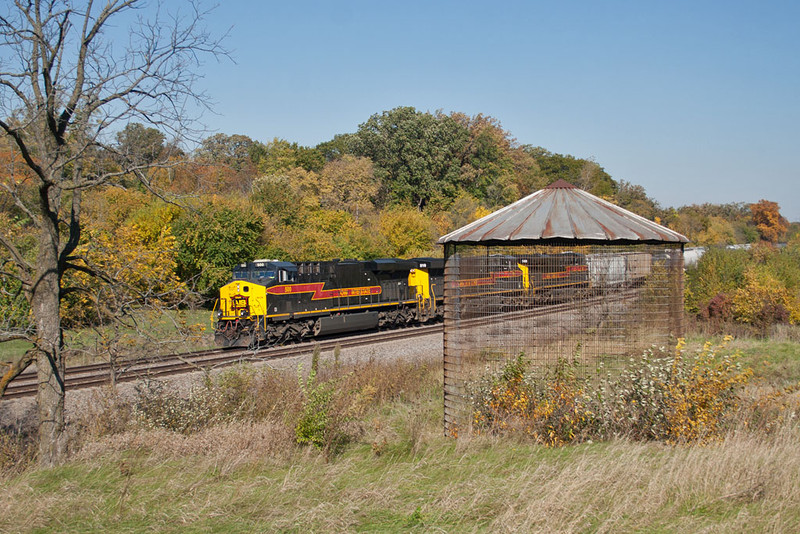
x,y
623,269
488,284
270,302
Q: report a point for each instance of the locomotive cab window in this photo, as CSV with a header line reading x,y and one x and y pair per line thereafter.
x,y
287,276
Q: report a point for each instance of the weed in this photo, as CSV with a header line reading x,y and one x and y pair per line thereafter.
x,y
313,426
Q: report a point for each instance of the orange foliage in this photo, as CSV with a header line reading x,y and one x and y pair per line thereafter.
x,y
768,220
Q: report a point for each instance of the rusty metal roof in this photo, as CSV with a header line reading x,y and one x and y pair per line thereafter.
x,y
562,212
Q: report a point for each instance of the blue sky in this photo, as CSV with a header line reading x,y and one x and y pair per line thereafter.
x,y
695,101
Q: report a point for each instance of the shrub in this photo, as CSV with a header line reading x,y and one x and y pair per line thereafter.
x,y
314,424
718,271
764,300
672,398
719,309
551,409
216,401
156,407
759,287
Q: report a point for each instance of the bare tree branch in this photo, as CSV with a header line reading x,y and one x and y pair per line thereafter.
x,y
16,368
64,89
18,258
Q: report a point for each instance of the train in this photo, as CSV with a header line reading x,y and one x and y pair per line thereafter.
x,y
271,302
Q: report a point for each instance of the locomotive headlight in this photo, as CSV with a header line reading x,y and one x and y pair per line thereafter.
x,y
219,314
243,313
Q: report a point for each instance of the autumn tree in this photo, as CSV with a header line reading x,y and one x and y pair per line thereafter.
x,y
68,80
770,224
280,155
348,184
407,231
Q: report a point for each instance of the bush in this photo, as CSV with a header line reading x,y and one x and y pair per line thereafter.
x,y
674,398
314,426
718,271
551,409
156,407
658,397
216,401
759,287
764,300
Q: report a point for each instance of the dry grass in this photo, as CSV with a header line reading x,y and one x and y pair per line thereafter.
x,y
225,447
246,473
240,478
742,483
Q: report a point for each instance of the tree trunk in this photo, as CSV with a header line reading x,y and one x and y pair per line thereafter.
x,y
45,297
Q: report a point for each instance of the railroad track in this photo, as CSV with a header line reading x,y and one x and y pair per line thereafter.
x,y
86,376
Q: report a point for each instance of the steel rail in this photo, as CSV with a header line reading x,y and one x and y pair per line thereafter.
x,y
98,374
92,375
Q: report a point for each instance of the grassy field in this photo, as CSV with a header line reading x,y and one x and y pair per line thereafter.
x,y
86,345
243,471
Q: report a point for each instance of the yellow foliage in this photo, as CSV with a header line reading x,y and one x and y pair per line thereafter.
x,y
129,266
763,291
550,414
768,220
675,399
481,212
407,231
697,398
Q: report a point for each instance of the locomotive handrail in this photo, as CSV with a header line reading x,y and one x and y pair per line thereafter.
x,y
214,309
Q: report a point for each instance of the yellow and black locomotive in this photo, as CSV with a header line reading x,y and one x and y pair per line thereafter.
x,y
270,302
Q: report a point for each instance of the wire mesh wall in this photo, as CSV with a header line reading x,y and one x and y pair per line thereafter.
x,y
596,305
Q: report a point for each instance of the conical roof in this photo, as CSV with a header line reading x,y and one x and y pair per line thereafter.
x,y
562,212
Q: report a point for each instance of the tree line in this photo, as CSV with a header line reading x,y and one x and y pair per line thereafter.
x,y
389,189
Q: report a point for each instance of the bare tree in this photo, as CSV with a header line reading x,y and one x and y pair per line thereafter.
x,y
69,80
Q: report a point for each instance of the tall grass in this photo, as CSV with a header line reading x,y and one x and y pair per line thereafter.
x,y
239,466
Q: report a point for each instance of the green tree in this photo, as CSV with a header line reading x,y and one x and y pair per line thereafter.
x,y
337,147
488,167
214,239
634,198
236,151
140,144
583,173
417,155
280,155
